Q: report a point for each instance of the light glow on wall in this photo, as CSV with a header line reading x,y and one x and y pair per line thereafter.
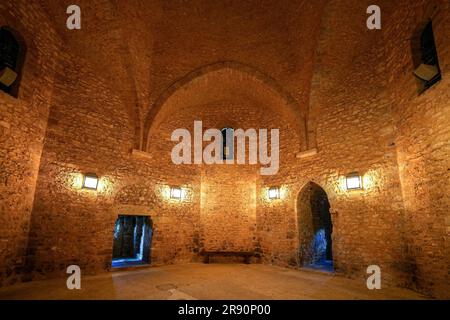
x,y
368,180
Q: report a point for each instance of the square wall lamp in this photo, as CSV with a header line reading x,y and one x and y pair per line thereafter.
x,y
353,181
90,181
274,193
176,193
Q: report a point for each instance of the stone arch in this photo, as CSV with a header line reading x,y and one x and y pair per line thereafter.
x,y
315,226
236,66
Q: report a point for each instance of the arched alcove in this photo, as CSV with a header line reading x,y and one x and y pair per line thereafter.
x,y
247,80
314,228
226,97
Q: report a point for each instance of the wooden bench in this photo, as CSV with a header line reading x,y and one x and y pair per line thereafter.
x,y
245,254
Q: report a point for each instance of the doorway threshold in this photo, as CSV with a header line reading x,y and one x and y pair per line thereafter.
x,y
323,266
126,263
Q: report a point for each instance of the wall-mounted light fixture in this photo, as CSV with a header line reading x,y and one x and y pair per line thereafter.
x,y
90,181
353,181
176,193
274,193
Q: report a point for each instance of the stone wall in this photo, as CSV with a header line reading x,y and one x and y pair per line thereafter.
x,y
89,132
23,121
228,208
354,132
422,141
365,121
233,98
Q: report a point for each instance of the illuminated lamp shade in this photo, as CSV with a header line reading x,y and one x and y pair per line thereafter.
x,y
274,193
176,193
90,181
353,181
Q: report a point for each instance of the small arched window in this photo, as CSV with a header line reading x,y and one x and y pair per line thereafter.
x,y
11,59
427,71
227,143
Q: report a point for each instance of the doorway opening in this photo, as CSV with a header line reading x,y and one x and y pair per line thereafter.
x,y
132,241
315,228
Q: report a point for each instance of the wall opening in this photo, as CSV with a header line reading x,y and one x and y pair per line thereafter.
x,y
227,143
425,55
132,241
12,57
315,228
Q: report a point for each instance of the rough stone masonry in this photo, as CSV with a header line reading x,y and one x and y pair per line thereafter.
x,y
105,99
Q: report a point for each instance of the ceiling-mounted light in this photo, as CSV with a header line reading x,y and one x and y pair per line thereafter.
x,y
353,181
274,193
90,181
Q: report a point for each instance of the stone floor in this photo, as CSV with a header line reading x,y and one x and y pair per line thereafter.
x,y
207,281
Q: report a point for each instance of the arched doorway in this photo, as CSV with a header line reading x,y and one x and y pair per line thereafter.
x,y
132,241
315,228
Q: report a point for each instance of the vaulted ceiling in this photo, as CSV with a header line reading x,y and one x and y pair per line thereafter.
x,y
142,47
